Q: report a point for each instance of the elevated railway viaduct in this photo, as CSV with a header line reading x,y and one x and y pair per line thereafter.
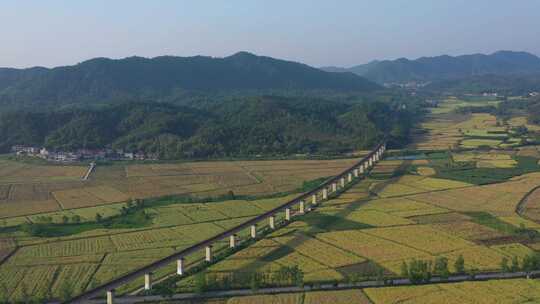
x,y
301,202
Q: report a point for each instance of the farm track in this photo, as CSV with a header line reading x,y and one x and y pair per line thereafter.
x,y
9,255
252,175
90,170
520,208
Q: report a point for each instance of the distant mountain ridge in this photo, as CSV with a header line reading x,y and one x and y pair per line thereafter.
x,y
165,76
446,67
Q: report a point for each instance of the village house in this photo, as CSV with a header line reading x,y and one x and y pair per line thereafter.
x,y
82,154
20,150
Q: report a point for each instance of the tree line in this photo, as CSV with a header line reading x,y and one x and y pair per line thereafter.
x,y
241,127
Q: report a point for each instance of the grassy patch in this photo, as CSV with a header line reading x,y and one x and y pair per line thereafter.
x,y
332,222
135,219
488,220
471,174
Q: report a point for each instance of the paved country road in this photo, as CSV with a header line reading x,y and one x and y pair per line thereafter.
x,y
277,290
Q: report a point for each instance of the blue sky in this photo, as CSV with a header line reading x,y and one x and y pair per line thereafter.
x,y
340,32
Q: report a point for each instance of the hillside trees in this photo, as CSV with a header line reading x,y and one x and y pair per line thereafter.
x,y
244,126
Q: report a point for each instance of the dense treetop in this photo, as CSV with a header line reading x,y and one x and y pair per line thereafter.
x,y
240,126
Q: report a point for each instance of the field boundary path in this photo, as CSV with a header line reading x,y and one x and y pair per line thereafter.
x,y
322,287
520,208
313,197
89,171
9,255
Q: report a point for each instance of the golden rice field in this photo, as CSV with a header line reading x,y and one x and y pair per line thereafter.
x,y
531,208
98,256
475,143
425,171
522,121
404,218
444,129
313,297
467,229
438,132
513,250
12,172
412,184
530,151
31,189
268,299
496,291
452,103
491,159
499,199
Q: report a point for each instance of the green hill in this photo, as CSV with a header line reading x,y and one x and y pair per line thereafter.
x,y
237,127
164,78
446,67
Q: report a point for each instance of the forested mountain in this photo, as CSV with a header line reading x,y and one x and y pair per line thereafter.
x,y
502,84
242,126
447,67
164,78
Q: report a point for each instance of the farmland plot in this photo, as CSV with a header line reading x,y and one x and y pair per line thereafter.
x,y
14,209
336,297
420,237
384,252
12,172
321,252
498,199
7,245
78,277
501,291
294,298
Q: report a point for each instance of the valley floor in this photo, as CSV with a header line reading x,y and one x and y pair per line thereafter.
x,y
474,206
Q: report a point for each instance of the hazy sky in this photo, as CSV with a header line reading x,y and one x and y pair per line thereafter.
x,y
316,32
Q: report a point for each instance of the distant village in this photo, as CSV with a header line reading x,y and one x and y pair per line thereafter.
x,y
82,154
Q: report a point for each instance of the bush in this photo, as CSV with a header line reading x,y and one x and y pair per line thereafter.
x,y
459,265
441,267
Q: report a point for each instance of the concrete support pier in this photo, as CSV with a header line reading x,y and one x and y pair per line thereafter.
x,y
148,281
180,266
314,199
349,177
334,187
287,214
361,169
253,231
110,296
325,193
232,241
301,208
356,172
272,222
342,181
208,257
